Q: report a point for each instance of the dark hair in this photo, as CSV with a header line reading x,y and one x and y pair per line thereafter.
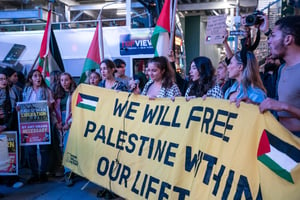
x,y
109,64
161,62
97,74
29,79
118,62
59,90
290,25
7,107
206,79
9,71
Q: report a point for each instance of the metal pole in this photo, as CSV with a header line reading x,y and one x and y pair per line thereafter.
x,y
99,19
100,36
173,22
237,24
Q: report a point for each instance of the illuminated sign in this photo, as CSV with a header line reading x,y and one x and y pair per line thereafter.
x,y
135,44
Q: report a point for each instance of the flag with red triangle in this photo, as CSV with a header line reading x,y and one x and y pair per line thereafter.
x,y
160,38
92,61
49,56
278,155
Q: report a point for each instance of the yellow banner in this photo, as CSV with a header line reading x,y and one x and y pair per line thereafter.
x,y
160,149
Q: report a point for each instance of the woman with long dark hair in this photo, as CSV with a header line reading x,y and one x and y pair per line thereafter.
x,y
202,82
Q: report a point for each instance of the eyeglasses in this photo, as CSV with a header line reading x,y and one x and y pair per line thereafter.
x,y
3,79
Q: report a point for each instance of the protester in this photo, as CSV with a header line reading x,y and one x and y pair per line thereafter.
x,y
162,79
7,104
180,82
139,74
62,96
10,94
224,81
221,74
269,73
13,79
284,42
8,116
202,83
94,78
36,90
107,71
248,86
54,79
120,72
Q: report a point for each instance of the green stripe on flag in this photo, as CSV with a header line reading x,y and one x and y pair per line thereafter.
x,y
89,65
276,168
86,106
155,35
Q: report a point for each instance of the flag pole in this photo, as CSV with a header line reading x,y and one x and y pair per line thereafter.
x,y
99,19
100,34
34,63
173,22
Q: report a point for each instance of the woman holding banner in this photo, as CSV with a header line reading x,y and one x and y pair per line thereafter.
x,y
108,68
63,98
202,82
162,80
248,85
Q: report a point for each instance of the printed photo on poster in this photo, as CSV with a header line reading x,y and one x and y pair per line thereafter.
x,y
34,123
8,153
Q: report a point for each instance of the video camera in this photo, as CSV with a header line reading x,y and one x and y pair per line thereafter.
x,y
254,18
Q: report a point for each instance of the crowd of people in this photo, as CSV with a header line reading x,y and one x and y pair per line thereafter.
x,y
238,78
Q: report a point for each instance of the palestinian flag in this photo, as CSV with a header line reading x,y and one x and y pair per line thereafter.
x,y
278,156
87,101
49,56
92,61
160,38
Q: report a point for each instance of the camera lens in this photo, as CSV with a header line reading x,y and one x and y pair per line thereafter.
x,y
250,20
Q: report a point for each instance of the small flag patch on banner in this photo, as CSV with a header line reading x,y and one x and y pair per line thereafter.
x,y
87,102
277,155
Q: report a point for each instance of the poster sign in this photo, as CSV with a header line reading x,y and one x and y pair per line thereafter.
x,y
135,44
8,140
34,123
216,25
163,149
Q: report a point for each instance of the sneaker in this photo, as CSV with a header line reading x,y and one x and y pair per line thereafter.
x,y
18,184
69,179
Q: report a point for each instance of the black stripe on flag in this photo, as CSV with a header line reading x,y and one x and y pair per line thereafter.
x,y
284,147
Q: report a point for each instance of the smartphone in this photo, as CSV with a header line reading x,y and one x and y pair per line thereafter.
x,y
12,57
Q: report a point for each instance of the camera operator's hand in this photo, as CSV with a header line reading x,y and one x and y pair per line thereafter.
x,y
264,26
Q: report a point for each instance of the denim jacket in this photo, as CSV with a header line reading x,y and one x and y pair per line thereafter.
x,y
253,93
